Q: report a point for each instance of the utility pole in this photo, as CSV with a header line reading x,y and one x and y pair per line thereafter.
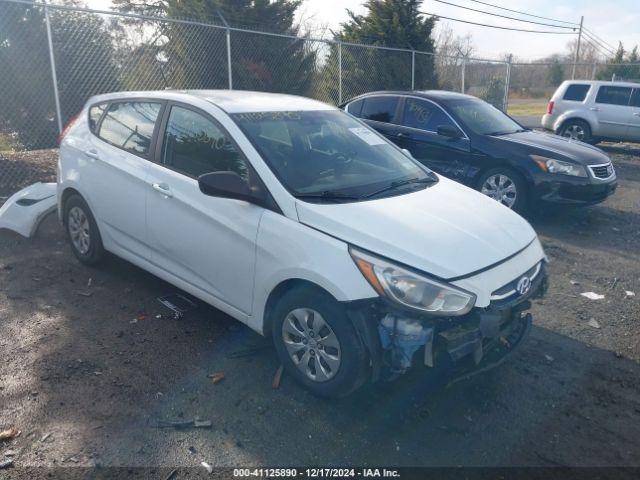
x,y
575,60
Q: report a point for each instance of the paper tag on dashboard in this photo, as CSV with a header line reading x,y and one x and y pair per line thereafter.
x,y
367,135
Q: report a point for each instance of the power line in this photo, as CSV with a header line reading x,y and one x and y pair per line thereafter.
x,y
505,16
523,13
497,26
596,36
594,41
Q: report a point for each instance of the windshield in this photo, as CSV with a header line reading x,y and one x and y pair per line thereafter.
x,y
330,155
483,118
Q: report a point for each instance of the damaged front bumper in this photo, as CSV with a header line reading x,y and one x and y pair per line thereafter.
x,y
456,347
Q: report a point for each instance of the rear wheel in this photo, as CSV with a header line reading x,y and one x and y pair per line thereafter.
x,y
577,130
317,343
82,231
505,186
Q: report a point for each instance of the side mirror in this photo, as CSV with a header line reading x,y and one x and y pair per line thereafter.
x,y
449,131
225,185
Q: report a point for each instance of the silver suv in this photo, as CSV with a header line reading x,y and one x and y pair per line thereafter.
x,y
591,111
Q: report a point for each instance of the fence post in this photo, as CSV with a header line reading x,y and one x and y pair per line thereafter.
x,y
52,59
462,73
507,83
413,69
230,77
593,72
339,73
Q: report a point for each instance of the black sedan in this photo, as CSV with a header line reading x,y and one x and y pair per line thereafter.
x,y
469,140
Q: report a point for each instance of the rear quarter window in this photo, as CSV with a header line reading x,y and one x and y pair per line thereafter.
x,y
95,113
576,92
354,108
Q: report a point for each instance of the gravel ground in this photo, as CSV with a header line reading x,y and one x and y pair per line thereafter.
x,y
86,384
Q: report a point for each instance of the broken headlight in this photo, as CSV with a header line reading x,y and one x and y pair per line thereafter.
x,y
412,289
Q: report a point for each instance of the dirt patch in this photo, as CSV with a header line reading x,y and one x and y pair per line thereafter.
x,y
87,379
20,169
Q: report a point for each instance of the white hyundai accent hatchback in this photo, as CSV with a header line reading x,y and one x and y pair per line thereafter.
x,y
303,223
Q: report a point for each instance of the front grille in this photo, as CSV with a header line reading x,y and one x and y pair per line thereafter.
x,y
602,171
510,287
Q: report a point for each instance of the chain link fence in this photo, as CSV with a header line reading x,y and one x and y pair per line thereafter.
x,y
54,57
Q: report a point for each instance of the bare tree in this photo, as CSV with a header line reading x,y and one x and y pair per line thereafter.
x,y
451,50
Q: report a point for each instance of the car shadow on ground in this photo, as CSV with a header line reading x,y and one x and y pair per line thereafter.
x,y
81,369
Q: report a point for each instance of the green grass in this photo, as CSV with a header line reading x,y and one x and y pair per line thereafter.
x,y
533,108
7,144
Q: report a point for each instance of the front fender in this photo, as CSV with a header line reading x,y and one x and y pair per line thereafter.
x,y
289,250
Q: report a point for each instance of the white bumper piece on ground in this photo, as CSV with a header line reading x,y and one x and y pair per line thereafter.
x,y
24,210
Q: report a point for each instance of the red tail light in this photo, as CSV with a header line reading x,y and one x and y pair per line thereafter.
x,y
550,108
66,129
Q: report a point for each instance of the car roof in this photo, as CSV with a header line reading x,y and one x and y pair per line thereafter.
x,y
231,101
603,82
441,95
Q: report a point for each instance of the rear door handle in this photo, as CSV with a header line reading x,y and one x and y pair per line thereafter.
x,y
636,114
403,135
93,153
163,188
594,109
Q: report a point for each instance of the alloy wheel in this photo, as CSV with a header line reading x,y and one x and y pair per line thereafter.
x,y
574,132
78,225
312,344
501,188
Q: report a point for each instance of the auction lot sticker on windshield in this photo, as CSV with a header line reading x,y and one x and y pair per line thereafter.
x,y
367,135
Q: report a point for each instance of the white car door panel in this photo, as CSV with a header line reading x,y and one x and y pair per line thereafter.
x,y
612,110
118,181
208,242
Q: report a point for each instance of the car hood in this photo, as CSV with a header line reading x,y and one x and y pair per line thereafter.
x,y
550,145
447,229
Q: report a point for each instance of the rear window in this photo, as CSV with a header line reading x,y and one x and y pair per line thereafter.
x,y
380,109
129,125
95,113
614,95
576,92
354,108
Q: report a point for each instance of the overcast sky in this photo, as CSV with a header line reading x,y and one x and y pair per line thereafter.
x,y
611,20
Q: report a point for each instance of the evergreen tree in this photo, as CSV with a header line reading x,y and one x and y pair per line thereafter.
x,y
555,73
388,23
196,56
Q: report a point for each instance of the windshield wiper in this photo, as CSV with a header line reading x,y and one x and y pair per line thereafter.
x,y
401,183
327,195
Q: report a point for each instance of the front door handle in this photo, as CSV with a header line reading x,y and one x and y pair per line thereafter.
x,y
403,135
594,109
636,114
93,153
163,188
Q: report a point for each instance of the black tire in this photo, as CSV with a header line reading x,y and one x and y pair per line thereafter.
x,y
353,366
522,196
577,130
95,252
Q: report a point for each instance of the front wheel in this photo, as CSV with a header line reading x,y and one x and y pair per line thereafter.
x,y
317,343
505,186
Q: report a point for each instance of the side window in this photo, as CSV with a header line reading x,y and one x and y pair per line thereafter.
x,y
129,125
424,115
355,108
635,98
380,109
95,113
614,95
194,145
576,92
